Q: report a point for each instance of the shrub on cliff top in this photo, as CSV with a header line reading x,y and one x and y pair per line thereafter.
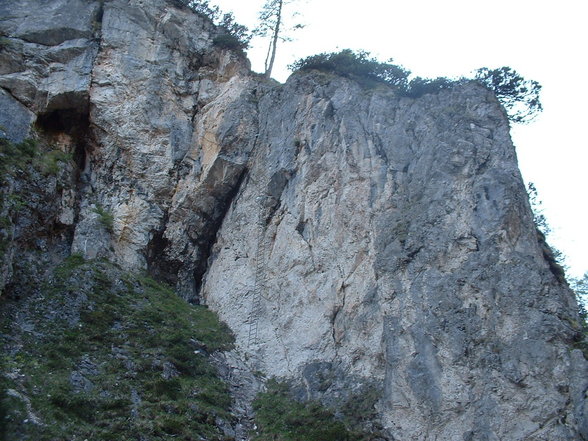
x,y
421,86
520,97
232,35
359,66
370,72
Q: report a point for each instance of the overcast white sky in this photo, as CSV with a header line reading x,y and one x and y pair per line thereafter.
x,y
544,41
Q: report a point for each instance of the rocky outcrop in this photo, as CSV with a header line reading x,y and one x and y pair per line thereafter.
x,y
365,239
155,123
160,119
400,247
47,56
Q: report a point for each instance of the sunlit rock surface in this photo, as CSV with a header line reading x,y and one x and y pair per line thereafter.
x,y
399,247
398,250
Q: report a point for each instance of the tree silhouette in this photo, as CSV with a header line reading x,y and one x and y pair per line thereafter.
x,y
519,97
271,23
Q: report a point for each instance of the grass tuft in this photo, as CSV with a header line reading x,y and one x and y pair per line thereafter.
x,y
113,355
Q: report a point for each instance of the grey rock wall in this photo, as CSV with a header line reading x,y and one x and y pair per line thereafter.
x,y
155,123
15,119
160,142
398,246
49,51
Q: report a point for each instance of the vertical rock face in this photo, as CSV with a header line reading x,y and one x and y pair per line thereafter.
x,y
391,237
159,138
159,119
400,247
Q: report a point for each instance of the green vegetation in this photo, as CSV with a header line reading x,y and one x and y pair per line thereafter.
x,y
52,160
556,260
519,97
358,66
232,35
537,208
106,218
109,356
280,417
227,41
369,72
580,288
421,86
24,160
16,158
543,226
360,410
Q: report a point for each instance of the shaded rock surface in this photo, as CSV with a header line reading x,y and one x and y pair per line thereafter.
x,y
391,237
15,120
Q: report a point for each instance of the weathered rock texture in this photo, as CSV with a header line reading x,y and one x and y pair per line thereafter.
x,y
401,247
399,250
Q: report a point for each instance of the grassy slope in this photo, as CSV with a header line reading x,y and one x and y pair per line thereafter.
x,y
99,354
280,417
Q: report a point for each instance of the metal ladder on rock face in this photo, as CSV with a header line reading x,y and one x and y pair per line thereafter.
x,y
260,275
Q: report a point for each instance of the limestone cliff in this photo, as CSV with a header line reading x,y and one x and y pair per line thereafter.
x,y
352,239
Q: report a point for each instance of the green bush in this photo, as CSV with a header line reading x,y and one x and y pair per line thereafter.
x,y
50,163
232,35
580,288
228,41
358,66
280,417
421,86
15,157
520,97
106,218
370,72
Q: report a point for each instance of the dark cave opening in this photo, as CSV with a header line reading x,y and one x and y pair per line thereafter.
x,y
73,122
160,268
